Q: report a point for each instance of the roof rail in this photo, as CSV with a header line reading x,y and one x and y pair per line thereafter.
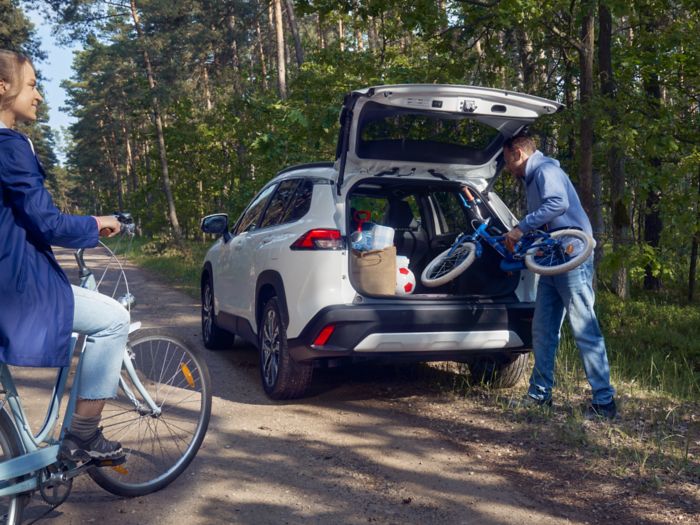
x,y
322,164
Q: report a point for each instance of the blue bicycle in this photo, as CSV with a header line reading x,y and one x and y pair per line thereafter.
x,y
160,416
545,253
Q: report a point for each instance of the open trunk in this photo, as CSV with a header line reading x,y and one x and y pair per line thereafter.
x,y
427,215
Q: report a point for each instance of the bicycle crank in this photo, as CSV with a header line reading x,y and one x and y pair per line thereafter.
x,y
55,486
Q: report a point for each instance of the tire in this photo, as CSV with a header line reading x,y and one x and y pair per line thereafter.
x,y
499,374
552,261
446,266
11,507
159,446
213,336
282,377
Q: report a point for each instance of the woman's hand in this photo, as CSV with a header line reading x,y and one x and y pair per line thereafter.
x,y
109,225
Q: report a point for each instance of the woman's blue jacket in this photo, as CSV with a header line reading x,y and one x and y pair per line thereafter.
x,y
36,301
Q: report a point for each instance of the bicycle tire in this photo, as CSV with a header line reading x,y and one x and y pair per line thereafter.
x,y
11,507
554,262
448,266
159,447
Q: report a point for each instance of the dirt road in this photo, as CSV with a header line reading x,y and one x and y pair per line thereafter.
x,y
366,446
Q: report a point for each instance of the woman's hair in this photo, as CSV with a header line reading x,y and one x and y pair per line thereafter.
x,y
11,65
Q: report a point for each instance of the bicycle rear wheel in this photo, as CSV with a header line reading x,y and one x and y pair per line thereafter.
x,y
159,446
448,265
555,258
11,507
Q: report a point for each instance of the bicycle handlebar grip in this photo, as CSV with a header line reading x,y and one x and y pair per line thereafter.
x,y
470,197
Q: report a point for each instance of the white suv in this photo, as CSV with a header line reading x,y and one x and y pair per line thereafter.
x,y
283,276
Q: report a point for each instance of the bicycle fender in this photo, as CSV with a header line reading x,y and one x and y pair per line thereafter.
x,y
134,326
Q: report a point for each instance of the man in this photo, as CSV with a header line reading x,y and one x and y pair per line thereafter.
x,y
552,202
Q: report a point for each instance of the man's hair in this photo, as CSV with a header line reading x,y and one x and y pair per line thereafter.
x,y
11,65
522,141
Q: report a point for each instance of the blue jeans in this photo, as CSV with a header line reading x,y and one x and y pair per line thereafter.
x,y
571,293
106,324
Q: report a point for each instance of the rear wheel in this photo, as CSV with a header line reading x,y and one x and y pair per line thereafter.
x,y
160,443
11,507
556,258
499,374
448,265
282,377
214,337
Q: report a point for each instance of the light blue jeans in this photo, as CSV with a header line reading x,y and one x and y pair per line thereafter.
x,y
106,324
571,293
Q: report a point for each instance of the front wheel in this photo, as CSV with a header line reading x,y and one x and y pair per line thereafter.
x,y
11,507
449,265
558,257
160,441
214,337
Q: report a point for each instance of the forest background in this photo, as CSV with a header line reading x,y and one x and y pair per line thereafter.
x,y
188,107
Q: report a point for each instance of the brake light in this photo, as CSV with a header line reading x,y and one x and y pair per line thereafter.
x,y
320,240
325,334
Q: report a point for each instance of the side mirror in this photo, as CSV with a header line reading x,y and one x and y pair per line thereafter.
x,y
216,224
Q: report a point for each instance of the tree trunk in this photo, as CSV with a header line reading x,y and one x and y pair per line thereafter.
x,y
261,53
299,51
620,214
341,32
207,92
281,61
585,95
172,213
694,249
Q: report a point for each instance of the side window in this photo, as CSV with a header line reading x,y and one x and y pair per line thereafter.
x,y
450,212
279,202
301,202
252,214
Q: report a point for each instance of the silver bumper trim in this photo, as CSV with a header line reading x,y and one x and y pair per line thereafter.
x,y
439,341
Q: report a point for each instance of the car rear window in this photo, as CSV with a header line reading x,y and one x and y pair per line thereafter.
x,y
451,218
424,137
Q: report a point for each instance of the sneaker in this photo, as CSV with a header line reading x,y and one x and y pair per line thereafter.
x,y
96,447
527,401
597,411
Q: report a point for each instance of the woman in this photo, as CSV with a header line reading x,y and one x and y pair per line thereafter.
x,y
40,308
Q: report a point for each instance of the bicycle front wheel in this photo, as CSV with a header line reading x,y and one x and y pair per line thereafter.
x,y
159,443
570,249
448,265
11,507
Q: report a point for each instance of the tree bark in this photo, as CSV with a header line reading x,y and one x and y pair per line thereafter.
x,y
621,235
167,189
585,95
281,61
694,248
294,27
261,53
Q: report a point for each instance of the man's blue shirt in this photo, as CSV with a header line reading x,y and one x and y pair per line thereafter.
x,y
552,201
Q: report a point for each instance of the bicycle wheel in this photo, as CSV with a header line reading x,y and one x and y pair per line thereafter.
x,y
159,446
448,265
11,507
555,259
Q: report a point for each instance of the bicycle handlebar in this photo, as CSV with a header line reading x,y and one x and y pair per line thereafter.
x,y
127,227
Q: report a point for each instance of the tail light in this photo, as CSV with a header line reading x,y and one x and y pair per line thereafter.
x,y
320,240
324,335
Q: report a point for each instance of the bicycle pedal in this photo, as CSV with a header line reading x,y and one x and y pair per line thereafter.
x,y
109,462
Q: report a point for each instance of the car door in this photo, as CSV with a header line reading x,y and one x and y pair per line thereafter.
x,y
235,264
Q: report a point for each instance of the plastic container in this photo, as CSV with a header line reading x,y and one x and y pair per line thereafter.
x,y
382,237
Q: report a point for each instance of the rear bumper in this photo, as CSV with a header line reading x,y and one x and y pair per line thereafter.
x,y
421,331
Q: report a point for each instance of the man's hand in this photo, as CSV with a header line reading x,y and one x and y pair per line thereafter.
x,y
511,238
109,225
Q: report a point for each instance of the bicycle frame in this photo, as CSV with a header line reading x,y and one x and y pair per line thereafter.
x,y
512,261
37,457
